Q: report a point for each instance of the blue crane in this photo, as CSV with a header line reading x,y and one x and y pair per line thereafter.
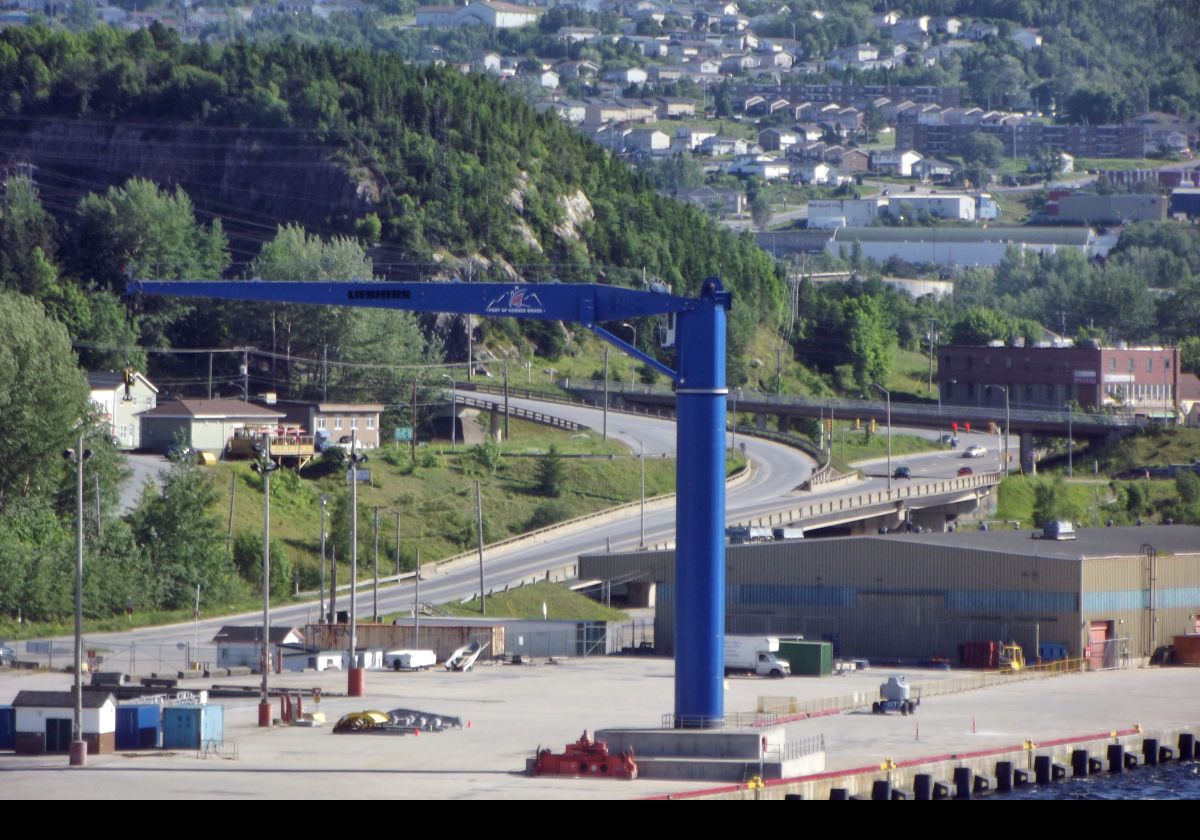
x,y
698,328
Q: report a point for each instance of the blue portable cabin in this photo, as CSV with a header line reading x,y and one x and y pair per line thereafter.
x,y
139,726
8,728
191,727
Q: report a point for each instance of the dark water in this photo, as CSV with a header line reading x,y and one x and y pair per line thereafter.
x,y
1167,781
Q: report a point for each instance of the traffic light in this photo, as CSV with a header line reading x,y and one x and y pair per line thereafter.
x,y
992,428
954,427
829,425
873,425
967,426
857,423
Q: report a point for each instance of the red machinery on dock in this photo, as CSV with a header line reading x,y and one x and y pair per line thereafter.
x,y
585,757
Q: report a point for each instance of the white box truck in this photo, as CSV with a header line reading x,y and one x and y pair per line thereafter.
x,y
755,654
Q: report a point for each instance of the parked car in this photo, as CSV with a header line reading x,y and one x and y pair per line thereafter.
x,y
974,452
180,452
966,471
902,472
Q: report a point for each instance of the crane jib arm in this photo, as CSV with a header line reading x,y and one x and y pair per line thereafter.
x,y
585,303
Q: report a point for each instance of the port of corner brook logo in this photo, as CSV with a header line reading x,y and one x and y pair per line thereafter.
x,y
516,302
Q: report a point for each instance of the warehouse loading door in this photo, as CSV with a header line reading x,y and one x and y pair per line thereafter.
x,y
1101,653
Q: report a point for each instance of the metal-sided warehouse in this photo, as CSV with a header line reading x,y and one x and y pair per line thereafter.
x,y
1111,594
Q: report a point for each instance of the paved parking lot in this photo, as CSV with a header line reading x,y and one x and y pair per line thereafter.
x,y
514,709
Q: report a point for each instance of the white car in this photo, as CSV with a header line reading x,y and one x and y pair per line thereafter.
x,y
974,452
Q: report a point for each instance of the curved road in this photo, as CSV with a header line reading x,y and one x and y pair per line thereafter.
x,y
778,470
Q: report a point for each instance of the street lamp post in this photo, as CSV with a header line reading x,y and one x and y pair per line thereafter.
x,y
356,680
265,466
1070,441
78,749
887,394
324,501
453,413
1007,425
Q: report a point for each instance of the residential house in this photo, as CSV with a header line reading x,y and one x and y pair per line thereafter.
x,y
674,107
119,399
947,25
851,161
628,76
572,111
715,199
577,34
766,107
898,163
583,69
716,146
690,138
205,425
932,169
978,30
813,172
739,63
776,140
764,166
647,140
338,418
1030,39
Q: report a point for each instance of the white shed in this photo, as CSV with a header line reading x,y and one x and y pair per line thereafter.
x,y
44,720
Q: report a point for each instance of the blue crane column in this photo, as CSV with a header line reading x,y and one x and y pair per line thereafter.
x,y
700,513
700,441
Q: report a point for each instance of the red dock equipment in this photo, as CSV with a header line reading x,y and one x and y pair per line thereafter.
x,y
585,757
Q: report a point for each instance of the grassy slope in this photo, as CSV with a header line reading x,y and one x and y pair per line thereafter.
x,y
526,602
437,500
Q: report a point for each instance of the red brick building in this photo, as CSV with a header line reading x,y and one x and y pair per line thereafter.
x,y
1139,380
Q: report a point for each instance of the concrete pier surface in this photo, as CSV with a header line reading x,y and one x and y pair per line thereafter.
x,y
514,709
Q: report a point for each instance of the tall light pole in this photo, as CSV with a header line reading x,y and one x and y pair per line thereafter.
x,y
940,384
324,501
604,421
265,466
1007,418
887,394
932,336
356,680
453,413
1070,441
78,749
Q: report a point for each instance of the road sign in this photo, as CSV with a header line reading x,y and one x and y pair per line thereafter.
x,y
404,433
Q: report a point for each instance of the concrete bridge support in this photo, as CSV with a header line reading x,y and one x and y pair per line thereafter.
x,y
1027,457
783,421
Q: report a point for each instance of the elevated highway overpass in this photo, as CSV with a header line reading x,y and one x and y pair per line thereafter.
x,y
1022,422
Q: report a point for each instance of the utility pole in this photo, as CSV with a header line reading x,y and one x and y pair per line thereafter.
x,y
397,545
229,529
375,588
506,396
417,602
412,441
605,422
96,480
245,374
479,531
932,336
325,617
470,352
78,748
264,466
